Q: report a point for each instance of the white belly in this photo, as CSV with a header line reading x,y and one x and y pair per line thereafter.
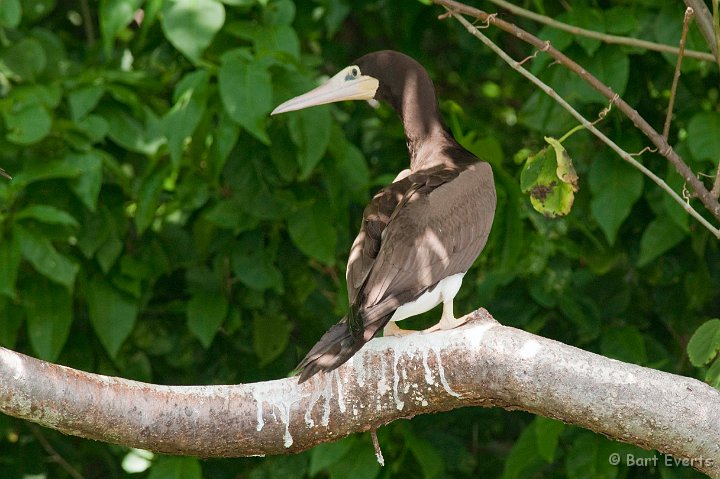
x,y
444,291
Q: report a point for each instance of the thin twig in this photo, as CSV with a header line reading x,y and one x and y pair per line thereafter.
x,y
5,174
54,455
716,187
716,28
376,445
704,22
603,37
703,194
87,22
676,76
553,94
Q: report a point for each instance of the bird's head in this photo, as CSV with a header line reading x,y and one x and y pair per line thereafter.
x,y
350,83
384,75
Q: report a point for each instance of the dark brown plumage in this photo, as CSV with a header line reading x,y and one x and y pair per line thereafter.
x,y
421,233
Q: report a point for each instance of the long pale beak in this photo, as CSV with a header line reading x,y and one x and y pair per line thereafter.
x,y
342,86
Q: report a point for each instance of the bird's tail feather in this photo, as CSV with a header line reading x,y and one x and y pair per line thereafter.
x,y
335,347
340,343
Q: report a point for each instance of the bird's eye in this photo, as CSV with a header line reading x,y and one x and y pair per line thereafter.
x,y
352,74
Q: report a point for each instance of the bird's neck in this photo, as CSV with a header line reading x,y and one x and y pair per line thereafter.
x,y
425,132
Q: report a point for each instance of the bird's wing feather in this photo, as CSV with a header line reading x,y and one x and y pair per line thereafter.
x,y
420,245
383,274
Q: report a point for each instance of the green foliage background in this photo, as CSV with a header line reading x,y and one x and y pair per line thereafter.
x,y
162,227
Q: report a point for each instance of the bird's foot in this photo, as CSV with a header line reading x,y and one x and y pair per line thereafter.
x,y
392,329
447,322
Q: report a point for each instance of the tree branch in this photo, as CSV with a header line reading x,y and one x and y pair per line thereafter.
x,y
480,364
676,76
517,66
664,148
603,37
704,21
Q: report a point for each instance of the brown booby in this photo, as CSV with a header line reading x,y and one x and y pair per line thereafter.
x,y
420,234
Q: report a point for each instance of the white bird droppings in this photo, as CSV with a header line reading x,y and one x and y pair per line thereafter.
x,y
529,349
443,380
399,403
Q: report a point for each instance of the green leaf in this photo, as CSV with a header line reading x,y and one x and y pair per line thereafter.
x,y
523,457
271,334
278,38
206,311
713,375
285,467
34,10
675,212
109,252
430,460
624,343
267,39
12,318
191,25
270,205
10,13
589,18
246,91
324,455
279,12
28,125
611,66
615,187
149,198
48,308
312,232
528,455
26,58
87,186
359,463
84,100
348,167
588,457
181,121
660,236
228,214
224,138
176,468
547,433
70,166
550,178
704,343
47,214
253,264
115,15
10,260
703,137
111,312
40,252
310,131
132,134
95,127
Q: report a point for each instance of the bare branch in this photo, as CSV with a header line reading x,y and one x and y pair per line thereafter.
x,y
676,76
480,364
716,187
590,126
603,37
704,20
665,149
87,22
